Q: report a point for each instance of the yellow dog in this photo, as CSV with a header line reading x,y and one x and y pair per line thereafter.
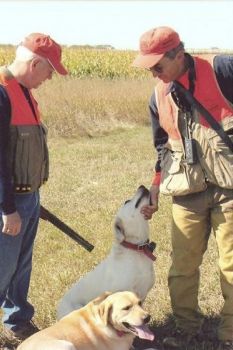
x,y
109,322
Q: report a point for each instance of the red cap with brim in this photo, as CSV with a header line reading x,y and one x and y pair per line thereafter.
x,y
153,46
147,61
47,48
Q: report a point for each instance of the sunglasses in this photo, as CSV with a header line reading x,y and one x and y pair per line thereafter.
x,y
156,68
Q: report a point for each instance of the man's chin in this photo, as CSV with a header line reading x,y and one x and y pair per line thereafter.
x,y
36,86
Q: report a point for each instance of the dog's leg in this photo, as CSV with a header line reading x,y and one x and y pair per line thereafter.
x,y
48,345
63,345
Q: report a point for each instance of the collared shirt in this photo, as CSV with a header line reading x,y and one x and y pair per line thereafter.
x,y
223,68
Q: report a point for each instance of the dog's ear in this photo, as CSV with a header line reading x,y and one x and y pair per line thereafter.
x,y
119,230
101,298
105,309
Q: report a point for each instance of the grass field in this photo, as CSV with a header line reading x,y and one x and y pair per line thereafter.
x,y
101,151
90,178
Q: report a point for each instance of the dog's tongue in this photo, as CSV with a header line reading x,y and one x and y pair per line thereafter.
x,y
144,332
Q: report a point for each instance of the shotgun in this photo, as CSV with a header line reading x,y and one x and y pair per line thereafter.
x,y
45,214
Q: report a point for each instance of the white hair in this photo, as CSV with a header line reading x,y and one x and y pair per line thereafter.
x,y
25,55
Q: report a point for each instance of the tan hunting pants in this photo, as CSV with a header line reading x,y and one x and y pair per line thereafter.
x,y
194,216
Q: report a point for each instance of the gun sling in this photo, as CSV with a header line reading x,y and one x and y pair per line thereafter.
x,y
209,118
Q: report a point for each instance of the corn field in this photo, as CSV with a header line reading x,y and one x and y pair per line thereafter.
x,y
97,63
92,63
102,63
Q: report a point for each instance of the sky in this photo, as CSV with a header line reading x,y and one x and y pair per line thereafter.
x,y
201,24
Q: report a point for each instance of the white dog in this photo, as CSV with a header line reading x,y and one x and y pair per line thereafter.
x,y
129,266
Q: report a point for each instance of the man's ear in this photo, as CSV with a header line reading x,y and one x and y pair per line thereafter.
x,y
34,62
105,309
119,230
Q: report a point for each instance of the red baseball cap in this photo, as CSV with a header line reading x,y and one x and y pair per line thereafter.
x,y
46,47
154,44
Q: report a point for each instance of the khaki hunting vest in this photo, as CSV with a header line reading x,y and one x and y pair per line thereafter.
x,y
215,160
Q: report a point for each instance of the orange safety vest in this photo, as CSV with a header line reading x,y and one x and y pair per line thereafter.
x,y
207,92
215,160
27,153
21,112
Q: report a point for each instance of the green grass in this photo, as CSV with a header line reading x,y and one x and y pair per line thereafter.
x,y
90,178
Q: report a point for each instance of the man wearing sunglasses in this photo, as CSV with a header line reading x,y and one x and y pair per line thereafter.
x,y
195,167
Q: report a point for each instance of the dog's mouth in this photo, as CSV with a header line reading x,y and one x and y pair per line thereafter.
x,y
142,331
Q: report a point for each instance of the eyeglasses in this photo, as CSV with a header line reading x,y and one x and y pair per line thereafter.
x,y
156,68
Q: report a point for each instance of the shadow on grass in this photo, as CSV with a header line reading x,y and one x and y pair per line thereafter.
x,y
207,341
8,342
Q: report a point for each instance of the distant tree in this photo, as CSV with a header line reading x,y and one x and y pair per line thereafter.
x,y
99,47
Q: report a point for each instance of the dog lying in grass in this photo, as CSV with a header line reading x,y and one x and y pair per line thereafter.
x,y
129,266
110,322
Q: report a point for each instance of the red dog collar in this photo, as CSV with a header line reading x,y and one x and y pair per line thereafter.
x,y
146,248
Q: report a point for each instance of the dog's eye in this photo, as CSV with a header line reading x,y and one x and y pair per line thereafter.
x,y
127,307
140,303
127,201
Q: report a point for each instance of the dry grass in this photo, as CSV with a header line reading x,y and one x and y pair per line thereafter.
x,y
93,107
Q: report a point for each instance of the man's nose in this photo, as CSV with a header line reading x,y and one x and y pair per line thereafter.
x,y
155,74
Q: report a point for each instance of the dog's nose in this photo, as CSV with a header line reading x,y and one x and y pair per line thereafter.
x,y
147,319
144,190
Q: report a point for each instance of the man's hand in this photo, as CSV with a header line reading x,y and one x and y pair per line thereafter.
x,y
11,224
149,210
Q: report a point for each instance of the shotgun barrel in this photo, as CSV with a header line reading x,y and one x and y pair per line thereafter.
x,y
45,214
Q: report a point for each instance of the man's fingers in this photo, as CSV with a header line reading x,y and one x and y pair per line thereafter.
x,y
12,231
11,223
148,210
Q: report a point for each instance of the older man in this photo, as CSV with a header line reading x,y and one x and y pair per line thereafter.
x,y
23,169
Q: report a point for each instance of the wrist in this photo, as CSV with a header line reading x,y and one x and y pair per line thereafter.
x,y
156,179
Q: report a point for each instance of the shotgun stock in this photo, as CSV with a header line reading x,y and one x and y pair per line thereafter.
x,y
45,214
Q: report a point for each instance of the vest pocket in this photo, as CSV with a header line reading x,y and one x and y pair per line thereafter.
x,y
220,160
179,178
27,157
